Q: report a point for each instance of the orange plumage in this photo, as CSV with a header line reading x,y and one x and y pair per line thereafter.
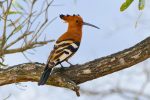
x,y
74,30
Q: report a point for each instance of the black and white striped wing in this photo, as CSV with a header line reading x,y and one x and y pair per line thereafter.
x,y
62,51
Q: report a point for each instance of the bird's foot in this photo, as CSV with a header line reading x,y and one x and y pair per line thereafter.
x,y
71,65
62,67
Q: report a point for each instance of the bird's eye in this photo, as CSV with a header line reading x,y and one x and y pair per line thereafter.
x,y
77,21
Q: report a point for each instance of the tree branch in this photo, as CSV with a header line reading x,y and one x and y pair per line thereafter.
x,y
21,22
26,47
78,74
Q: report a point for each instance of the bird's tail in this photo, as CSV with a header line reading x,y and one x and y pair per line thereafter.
x,y
45,75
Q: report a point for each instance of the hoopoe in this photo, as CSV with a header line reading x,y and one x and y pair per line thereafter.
x,y
66,45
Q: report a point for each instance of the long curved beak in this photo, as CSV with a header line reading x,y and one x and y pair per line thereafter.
x,y
88,24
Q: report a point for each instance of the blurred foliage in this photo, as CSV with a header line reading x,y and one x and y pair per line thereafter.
x,y
14,12
141,4
20,18
127,3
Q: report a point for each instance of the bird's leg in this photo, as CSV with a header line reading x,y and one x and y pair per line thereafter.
x,y
69,63
61,66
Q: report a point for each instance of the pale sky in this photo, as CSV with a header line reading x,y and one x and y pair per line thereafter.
x,y
117,32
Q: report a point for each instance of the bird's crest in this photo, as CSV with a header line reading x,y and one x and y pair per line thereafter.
x,y
72,19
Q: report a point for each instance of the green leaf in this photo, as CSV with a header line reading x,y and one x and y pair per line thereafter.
x,y
14,12
17,29
141,4
15,22
125,5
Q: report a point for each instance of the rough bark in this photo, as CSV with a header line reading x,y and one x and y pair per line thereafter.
x,y
77,74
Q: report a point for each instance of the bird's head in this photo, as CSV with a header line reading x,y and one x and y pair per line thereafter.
x,y
75,21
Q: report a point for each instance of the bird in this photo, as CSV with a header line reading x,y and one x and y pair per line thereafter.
x,y
66,45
